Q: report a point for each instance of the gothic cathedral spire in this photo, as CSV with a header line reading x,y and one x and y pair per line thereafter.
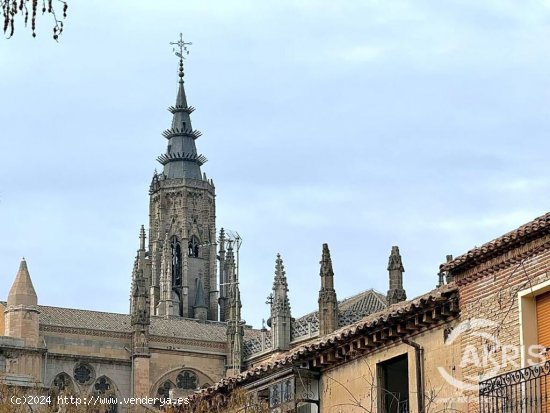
x,y
182,247
181,159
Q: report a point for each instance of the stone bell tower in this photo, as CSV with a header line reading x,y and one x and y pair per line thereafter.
x,y
182,227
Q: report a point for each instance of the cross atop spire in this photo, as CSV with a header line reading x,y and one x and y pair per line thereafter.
x,y
180,50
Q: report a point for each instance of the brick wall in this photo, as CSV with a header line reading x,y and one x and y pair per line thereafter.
x,y
492,294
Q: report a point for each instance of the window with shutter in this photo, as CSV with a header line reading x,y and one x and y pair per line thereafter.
x,y
543,336
543,320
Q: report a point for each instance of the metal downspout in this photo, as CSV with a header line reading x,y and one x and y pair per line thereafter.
x,y
419,361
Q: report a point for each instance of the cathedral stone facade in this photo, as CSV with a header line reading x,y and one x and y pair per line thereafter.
x,y
184,329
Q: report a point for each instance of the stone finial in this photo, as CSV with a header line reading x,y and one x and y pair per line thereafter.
x,y
222,239
326,263
142,238
278,299
394,262
328,303
22,291
396,293
280,320
280,278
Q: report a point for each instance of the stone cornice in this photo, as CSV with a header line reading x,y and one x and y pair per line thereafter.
x,y
86,331
90,359
128,336
188,342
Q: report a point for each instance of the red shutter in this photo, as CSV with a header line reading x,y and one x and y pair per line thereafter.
x,y
543,335
543,319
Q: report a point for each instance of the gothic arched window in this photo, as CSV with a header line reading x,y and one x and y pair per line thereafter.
x,y
193,246
164,389
62,382
187,380
176,261
104,387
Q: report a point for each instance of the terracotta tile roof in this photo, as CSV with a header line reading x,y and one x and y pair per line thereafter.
x,y
532,230
372,322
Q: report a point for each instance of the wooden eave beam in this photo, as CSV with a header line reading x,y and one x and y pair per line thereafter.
x,y
327,358
427,318
402,329
392,332
411,325
445,311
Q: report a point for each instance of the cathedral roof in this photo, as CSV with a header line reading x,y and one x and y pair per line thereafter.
x,y
368,301
85,319
350,310
184,328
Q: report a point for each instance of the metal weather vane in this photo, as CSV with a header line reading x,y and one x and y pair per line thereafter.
x,y
182,46
180,50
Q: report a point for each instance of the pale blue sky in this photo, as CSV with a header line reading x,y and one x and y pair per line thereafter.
x,y
363,124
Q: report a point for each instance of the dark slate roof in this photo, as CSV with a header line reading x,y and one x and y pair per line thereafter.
x,y
92,320
252,343
185,328
364,303
350,310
